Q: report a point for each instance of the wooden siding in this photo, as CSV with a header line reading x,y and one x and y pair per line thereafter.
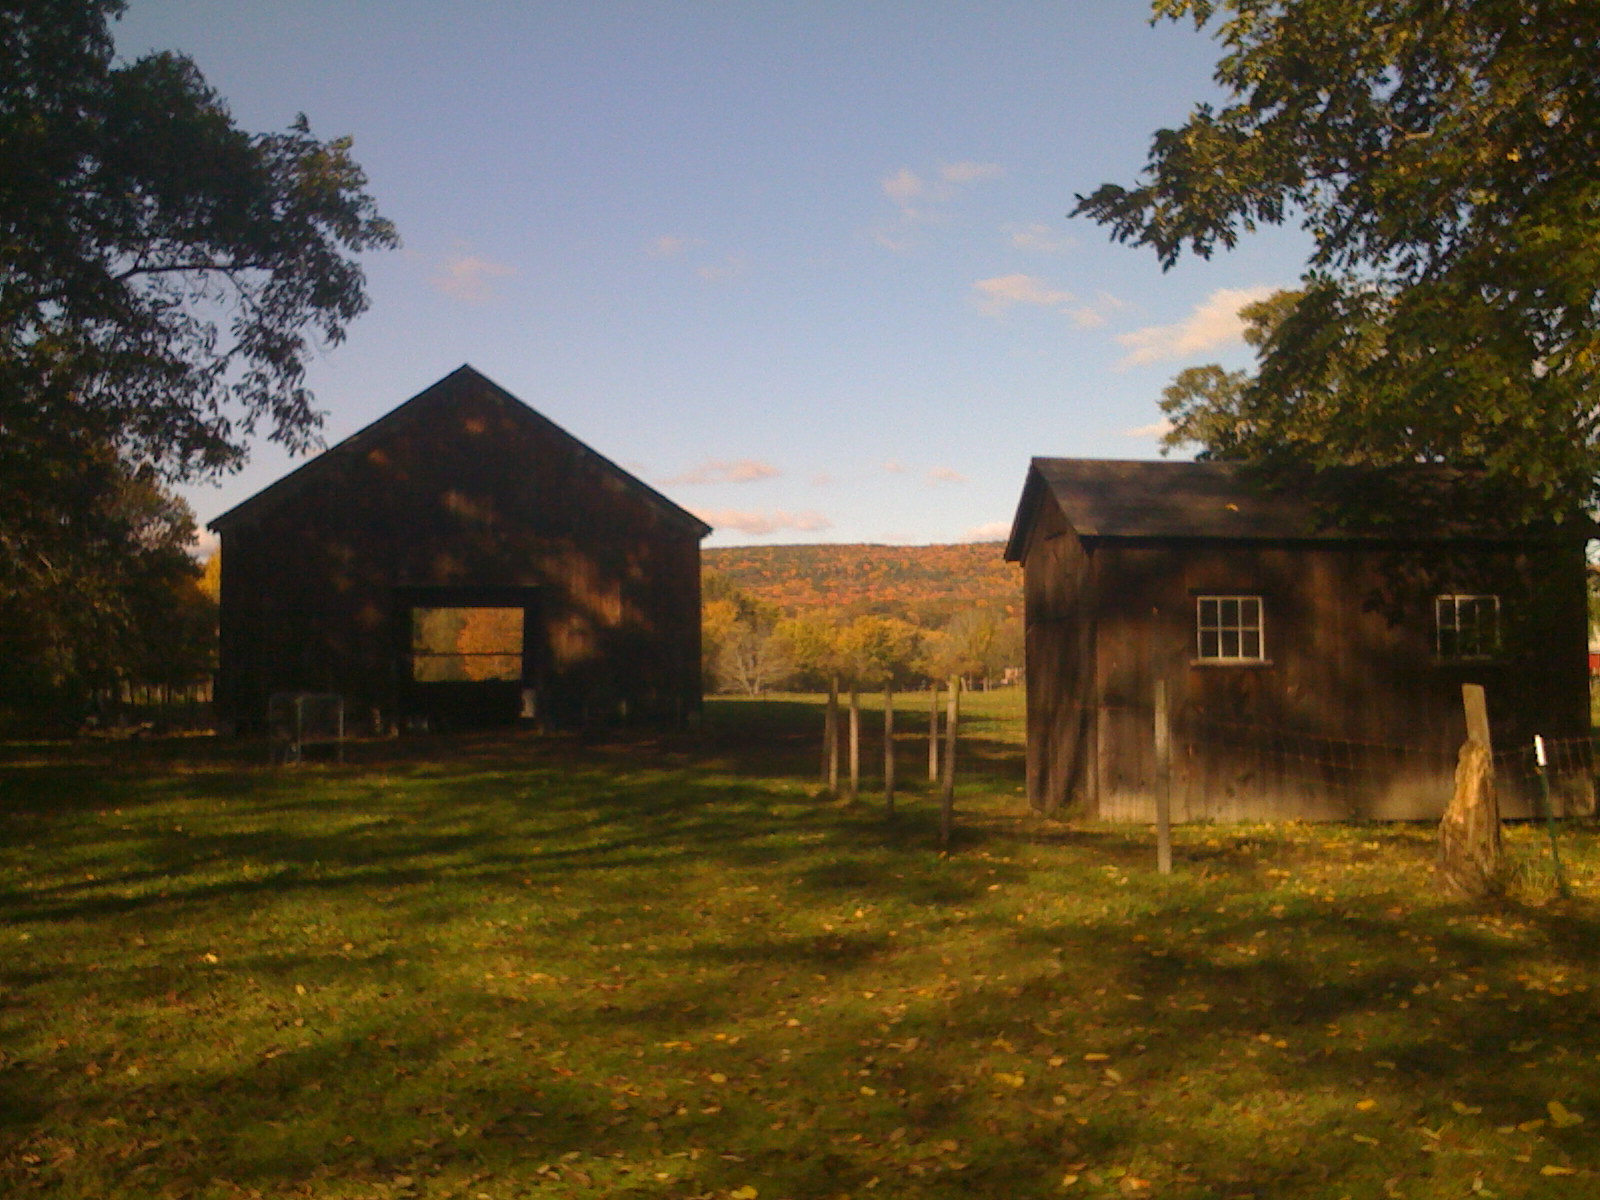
x,y
1058,608
472,491
1351,715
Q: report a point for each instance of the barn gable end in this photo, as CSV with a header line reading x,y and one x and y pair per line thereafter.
x,y
462,559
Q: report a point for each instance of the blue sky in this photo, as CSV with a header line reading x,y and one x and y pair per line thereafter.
x,y
805,267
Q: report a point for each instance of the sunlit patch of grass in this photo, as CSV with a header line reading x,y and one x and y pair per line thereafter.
x,y
666,968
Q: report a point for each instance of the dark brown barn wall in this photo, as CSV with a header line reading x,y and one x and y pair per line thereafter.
x,y
469,492
1351,671
1058,601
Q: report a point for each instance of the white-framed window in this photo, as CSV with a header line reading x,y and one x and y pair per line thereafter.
x,y
1229,629
1466,626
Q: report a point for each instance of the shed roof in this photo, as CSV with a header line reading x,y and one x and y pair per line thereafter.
x,y
1104,498
454,386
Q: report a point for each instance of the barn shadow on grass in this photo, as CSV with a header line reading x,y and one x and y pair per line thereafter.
x,y
662,967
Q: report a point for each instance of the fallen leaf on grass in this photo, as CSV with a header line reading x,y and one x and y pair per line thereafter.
x,y
1366,1105
1466,1110
1552,1169
1561,1116
744,1193
1068,1180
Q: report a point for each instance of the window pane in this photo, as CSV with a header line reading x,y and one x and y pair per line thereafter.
x,y
1229,627
1467,626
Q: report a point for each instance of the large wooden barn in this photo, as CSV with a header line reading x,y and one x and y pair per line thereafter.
x,y
1312,663
464,561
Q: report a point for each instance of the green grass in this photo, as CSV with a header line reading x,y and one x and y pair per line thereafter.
x,y
508,967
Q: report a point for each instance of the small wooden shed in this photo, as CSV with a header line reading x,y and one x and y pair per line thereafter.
x,y
461,560
1311,653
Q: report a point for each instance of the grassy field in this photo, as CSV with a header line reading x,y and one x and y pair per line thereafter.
x,y
509,967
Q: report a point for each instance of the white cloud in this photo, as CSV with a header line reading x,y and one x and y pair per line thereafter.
x,y
1215,322
1095,314
670,245
923,200
466,277
904,186
744,470
1041,239
1000,293
895,467
1156,430
970,172
205,544
758,524
994,531
729,268
945,475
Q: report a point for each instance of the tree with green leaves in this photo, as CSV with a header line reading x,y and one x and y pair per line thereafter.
x,y
1445,158
117,601
164,276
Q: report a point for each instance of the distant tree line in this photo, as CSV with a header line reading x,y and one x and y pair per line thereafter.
x,y
750,646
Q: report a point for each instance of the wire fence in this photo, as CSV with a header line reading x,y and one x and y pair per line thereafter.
x,y
129,707
1222,769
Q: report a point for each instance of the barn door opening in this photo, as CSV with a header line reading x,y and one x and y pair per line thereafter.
x,y
467,655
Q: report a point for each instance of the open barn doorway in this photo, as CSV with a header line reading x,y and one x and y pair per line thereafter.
x,y
468,656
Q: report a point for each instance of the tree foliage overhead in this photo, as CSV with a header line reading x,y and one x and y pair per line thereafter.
x,y
165,272
1445,157
164,276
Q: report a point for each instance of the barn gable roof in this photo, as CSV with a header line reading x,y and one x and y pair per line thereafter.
x,y
460,382
1104,498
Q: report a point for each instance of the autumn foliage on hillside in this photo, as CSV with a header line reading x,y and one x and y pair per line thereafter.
x,y
924,584
864,615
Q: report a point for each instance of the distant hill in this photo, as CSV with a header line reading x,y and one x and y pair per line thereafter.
x,y
926,583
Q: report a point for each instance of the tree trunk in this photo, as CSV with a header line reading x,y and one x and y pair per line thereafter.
x,y
947,805
933,732
855,742
1469,834
888,749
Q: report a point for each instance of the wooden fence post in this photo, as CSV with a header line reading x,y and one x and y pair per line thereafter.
x,y
933,732
1470,861
830,739
947,805
855,742
888,749
1163,781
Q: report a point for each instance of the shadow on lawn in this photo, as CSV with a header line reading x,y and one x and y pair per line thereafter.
x,y
470,1071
